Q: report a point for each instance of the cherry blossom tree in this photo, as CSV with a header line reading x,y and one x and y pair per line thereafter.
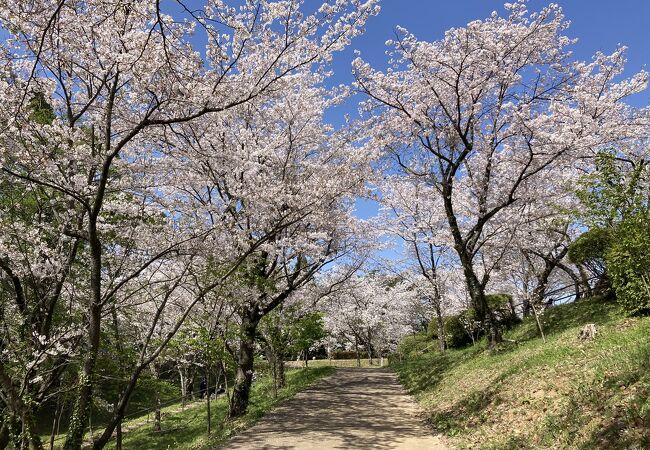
x,y
372,311
119,77
487,114
414,213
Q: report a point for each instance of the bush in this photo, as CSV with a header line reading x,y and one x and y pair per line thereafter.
x,y
628,263
590,250
432,329
501,306
455,333
412,346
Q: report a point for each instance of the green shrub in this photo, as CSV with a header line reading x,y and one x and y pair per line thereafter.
x,y
628,263
432,329
413,346
455,331
590,249
501,306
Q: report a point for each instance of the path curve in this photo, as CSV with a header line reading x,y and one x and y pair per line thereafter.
x,y
352,409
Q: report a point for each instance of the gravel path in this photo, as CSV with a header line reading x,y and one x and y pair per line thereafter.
x,y
352,409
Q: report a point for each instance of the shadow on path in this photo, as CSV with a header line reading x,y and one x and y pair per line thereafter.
x,y
353,409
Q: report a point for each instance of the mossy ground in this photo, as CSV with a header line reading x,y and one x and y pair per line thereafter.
x,y
564,393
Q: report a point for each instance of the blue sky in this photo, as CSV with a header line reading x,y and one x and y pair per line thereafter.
x,y
599,25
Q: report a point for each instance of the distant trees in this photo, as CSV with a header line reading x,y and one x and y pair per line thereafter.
x,y
371,314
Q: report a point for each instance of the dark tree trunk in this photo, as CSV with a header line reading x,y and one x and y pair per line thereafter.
x,y
464,248
244,376
4,435
442,346
83,401
479,302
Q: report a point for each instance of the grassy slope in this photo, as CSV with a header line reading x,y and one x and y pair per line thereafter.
x,y
560,394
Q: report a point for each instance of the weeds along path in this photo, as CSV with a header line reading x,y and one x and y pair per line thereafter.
x,y
354,408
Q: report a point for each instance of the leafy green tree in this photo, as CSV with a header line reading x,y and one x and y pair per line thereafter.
x,y
617,244
628,262
306,332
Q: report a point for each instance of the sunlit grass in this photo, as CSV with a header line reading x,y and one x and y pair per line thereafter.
x,y
564,393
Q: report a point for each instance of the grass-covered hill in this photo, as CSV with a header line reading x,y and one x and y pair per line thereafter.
x,y
565,393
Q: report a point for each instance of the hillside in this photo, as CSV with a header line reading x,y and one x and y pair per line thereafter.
x,y
564,393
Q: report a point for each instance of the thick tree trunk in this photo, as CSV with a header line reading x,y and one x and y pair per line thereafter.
x,y
83,401
244,376
4,435
464,249
479,302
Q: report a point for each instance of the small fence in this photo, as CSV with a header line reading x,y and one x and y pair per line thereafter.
x,y
365,362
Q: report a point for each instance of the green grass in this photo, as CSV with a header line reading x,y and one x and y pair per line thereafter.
x,y
564,393
187,429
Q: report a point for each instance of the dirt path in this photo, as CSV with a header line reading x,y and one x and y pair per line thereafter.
x,y
353,409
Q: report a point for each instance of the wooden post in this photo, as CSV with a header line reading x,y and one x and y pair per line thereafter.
x,y
539,324
207,387
356,348
55,423
156,424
